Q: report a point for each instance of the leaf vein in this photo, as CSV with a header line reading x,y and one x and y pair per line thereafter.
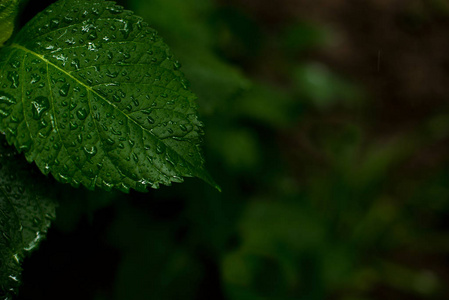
x,y
17,46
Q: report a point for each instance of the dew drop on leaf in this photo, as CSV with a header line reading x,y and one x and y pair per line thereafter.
x,y
7,99
76,63
81,113
64,91
35,78
15,64
126,30
13,77
54,23
73,125
160,148
112,74
115,9
90,150
38,106
177,65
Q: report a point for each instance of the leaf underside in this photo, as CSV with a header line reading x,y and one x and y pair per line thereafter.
x,y
25,214
92,94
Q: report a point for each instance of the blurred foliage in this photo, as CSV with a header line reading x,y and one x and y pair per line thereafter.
x,y
317,202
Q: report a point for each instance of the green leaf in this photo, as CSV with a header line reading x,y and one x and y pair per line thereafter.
x,y
25,214
8,12
93,95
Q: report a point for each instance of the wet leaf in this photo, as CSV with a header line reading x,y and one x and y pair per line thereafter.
x,y
25,214
93,95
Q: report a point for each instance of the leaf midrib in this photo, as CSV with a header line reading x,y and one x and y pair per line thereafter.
x,y
87,87
17,46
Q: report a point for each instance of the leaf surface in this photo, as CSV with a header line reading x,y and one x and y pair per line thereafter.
x,y
25,214
93,95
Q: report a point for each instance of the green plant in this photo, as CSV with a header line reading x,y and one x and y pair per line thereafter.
x,y
93,96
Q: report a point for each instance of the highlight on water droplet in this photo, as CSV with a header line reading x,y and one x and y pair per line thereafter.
x,y
90,150
177,65
64,91
7,99
81,113
38,106
13,76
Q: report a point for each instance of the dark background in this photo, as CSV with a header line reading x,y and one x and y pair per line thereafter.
x,y
327,127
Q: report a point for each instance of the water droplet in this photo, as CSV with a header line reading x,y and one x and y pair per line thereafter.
x,y
90,151
111,74
13,76
38,106
177,179
135,101
15,119
7,99
68,19
70,41
64,91
160,148
15,64
127,28
150,120
27,146
81,113
185,84
176,65
76,63
73,125
91,47
95,11
4,113
115,131
92,35
116,98
35,78
116,9
54,23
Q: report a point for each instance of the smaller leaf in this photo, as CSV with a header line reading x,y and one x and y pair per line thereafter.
x,y
8,12
25,214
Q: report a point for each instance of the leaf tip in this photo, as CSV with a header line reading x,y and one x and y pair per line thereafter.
x,y
206,177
